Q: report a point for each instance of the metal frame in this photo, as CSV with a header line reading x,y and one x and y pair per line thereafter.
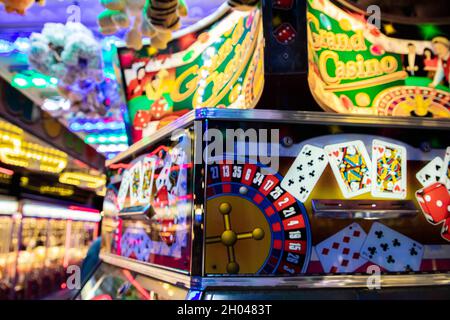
x,y
172,276
335,281
281,116
299,282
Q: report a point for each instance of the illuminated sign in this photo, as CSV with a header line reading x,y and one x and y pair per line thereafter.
x,y
355,68
220,65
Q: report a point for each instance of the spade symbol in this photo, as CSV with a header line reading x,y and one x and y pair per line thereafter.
x,y
427,176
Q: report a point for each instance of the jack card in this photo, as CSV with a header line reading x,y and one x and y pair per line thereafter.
x,y
388,170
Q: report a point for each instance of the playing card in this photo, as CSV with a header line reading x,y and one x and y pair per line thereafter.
x,y
304,173
445,173
351,166
340,252
123,189
431,172
148,174
388,170
392,250
135,183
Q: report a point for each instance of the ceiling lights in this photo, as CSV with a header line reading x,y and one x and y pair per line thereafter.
x,y
17,152
83,179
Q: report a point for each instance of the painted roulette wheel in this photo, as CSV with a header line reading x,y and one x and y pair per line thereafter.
x,y
253,225
413,101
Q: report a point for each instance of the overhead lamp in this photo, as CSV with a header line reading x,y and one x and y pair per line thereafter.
x,y
83,179
106,139
10,136
42,210
51,104
32,155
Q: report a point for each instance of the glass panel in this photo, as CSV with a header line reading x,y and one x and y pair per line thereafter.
x,y
339,199
148,216
113,283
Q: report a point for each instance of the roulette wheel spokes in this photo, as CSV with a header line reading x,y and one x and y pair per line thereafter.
x,y
229,237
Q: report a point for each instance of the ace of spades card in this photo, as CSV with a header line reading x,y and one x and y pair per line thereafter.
x,y
445,172
431,172
388,170
392,250
351,166
340,252
304,173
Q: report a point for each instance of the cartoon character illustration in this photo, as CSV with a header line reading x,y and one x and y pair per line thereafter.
x,y
429,62
441,46
412,64
138,85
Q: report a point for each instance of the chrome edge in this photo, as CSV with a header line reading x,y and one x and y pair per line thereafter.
x,y
164,274
281,116
317,282
299,282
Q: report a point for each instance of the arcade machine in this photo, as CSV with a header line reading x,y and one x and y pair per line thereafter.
x,y
51,238
229,203
9,207
42,229
39,241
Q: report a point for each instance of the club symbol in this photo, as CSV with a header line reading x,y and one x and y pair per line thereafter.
x,y
302,189
229,237
384,246
310,163
372,251
290,182
300,167
396,243
312,173
322,157
413,251
301,178
379,234
390,259
308,153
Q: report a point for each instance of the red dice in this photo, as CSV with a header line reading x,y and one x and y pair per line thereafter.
x,y
434,201
283,4
285,33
